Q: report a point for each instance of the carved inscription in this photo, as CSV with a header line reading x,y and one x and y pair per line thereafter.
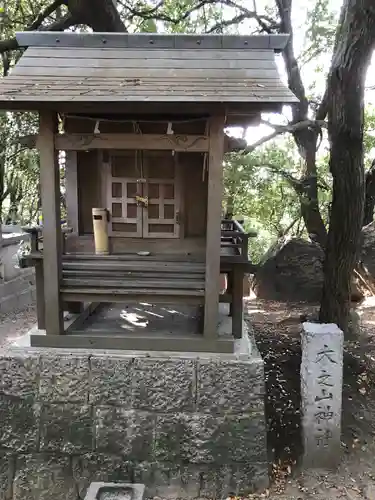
x,y
321,387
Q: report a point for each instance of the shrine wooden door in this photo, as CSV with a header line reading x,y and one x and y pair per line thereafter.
x,y
143,195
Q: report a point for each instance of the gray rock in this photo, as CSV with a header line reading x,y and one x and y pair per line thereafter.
x,y
225,386
292,270
19,375
124,432
368,247
163,384
111,378
64,378
66,428
19,425
44,477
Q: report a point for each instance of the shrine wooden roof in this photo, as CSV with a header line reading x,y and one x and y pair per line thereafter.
x,y
74,68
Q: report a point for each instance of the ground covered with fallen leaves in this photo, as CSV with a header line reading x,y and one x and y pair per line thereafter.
x,y
277,332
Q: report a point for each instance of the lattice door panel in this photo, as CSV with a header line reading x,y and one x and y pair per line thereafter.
x,y
142,200
126,215
160,220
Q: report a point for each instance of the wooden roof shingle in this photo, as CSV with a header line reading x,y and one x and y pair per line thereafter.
x,y
60,68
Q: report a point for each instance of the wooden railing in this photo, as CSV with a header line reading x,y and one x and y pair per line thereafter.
x,y
235,238
36,237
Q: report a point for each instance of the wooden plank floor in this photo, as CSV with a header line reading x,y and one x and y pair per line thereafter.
x,y
143,319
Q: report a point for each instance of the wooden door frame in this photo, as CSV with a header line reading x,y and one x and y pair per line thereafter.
x,y
142,219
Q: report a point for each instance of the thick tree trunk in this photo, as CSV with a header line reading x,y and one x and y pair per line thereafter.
x,y
345,127
100,15
368,215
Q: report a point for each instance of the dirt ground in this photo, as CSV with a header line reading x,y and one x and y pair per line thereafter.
x,y
277,331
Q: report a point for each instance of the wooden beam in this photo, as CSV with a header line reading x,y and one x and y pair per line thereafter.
x,y
50,193
83,314
213,234
135,342
237,303
71,182
172,142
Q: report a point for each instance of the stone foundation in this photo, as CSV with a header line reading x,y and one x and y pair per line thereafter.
x,y
187,426
17,286
18,293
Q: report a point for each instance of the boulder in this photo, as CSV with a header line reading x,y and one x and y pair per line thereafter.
x,y
368,248
291,270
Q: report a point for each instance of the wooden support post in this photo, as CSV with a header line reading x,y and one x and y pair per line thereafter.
x,y
230,291
213,233
237,302
40,298
39,283
71,181
50,193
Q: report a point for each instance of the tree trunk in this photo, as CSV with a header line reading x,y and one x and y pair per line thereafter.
x,y
368,215
305,139
310,210
345,128
100,15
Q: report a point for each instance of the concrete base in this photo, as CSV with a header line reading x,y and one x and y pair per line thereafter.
x,y
115,491
187,425
17,293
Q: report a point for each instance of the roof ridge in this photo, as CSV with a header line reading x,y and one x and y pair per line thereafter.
x,y
152,40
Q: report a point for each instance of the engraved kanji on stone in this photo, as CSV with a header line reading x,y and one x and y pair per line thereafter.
x,y
323,416
325,395
323,439
323,379
325,353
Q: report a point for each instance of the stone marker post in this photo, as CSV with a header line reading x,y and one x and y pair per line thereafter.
x,y
321,390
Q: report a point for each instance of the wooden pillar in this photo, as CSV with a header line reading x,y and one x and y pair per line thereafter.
x,y
214,197
71,184
50,194
237,302
39,283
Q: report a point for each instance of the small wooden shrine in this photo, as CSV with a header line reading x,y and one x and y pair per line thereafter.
x,y
141,122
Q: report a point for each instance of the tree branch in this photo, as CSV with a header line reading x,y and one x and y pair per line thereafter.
x,y
293,181
65,22
218,27
282,129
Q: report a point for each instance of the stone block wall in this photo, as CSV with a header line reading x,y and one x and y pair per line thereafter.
x,y
18,293
17,286
187,427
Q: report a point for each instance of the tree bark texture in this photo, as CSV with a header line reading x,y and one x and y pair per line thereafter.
x,y
306,139
345,128
100,15
368,215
